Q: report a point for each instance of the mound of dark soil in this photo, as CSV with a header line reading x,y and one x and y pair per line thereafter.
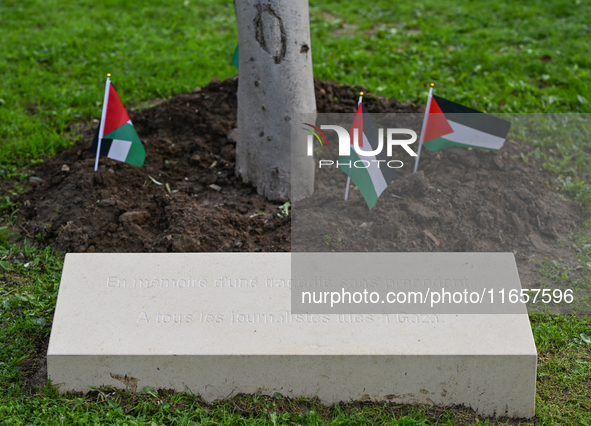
x,y
461,201
188,198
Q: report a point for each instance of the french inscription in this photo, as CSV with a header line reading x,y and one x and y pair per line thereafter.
x,y
191,282
116,282
270,282
179,318
282,318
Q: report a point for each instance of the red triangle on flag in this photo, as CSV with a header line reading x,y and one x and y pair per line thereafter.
x,y
437,124
116,114
358,124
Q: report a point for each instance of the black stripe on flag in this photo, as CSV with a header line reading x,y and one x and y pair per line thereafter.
x,y
105,144
369,128
473,118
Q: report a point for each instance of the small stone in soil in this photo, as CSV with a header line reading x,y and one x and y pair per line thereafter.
x,y
232,136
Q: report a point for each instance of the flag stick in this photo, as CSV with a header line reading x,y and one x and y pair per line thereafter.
x,y
347,190
424,126
102,123
348,178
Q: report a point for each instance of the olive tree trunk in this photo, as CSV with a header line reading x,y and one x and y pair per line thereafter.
x,y
275,87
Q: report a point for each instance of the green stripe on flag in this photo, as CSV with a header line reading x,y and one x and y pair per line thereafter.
x,y
136,154
441,143
361,178
125,133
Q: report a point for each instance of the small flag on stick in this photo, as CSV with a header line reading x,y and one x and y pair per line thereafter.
x,y
236,57
364,170
116,137
447,124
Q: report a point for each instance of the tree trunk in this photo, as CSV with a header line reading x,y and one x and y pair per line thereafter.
x,y
275,87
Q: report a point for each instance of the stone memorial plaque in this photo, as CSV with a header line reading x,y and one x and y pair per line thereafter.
x,y
220,324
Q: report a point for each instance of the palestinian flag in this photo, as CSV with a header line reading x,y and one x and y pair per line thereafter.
x,y
369,177
450,124
120,141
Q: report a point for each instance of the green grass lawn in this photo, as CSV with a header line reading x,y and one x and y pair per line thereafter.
x,y
497,56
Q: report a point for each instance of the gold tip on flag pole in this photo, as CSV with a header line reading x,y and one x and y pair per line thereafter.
x,y
360,93
432,85
109,75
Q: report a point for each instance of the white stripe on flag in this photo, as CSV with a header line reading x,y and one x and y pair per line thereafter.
x,y
379,183
119,150
470,136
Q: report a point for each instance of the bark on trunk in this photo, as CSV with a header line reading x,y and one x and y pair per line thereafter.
x,y
275,87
